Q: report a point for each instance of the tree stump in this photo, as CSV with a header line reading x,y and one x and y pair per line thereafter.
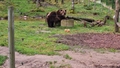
x,y
67,23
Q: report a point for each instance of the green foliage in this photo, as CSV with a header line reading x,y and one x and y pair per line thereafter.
x,y
110,3
2,59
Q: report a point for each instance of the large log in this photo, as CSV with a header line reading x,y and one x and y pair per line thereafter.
x,y
100,22
80,19
92,22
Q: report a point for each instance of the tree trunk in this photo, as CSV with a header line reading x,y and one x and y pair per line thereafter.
x,y
62,1
34,1
38,3
43,0
117,3
56,1
73,6
78,1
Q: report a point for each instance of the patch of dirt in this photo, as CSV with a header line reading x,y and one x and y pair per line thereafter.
x,y
94,40
35,61
84,58
81,57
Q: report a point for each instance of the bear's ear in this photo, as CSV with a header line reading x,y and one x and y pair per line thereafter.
x,y
65,10
60,10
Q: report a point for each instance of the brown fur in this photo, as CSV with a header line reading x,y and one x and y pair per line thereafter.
x,y
54,18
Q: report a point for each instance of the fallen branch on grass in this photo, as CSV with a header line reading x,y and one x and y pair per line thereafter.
x,y
80,19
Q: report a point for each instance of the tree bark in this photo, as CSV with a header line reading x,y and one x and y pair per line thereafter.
x,y
56,1
117,3
38,3
73,9
62,1
43,0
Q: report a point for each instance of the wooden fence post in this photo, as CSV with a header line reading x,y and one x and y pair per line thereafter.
x,y
11,37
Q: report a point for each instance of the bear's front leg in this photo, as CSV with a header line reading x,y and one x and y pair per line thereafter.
x,y
51,24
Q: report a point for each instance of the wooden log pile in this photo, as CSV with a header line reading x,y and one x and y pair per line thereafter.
x,y
92,22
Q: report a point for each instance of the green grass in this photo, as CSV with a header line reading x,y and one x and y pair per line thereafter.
x,y
29,38
67,57
2,59
79,8
34,37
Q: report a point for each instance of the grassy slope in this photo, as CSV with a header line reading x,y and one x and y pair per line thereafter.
x,y
28,36
2,59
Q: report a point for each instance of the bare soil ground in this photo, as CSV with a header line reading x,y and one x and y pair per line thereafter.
x,y
81,57
93,40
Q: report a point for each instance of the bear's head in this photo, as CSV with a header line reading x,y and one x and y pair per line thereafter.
x,y
61,12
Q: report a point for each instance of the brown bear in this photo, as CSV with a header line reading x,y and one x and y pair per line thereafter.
x,y
54,18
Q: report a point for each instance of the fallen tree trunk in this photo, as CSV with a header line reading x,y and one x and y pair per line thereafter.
x,y
92,22
80,19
